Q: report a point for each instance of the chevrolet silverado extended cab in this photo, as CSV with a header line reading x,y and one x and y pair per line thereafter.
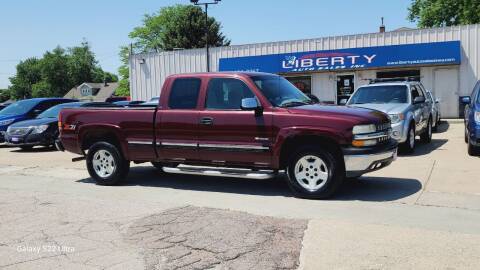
x,y
250,125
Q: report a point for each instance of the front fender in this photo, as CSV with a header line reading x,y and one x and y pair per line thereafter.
x,y
297,131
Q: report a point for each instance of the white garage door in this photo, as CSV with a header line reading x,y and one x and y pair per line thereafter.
x,y
445,88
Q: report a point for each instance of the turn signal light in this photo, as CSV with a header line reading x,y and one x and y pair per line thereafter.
x,y
361,143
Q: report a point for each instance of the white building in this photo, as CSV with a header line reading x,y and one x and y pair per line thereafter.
x,y
445,59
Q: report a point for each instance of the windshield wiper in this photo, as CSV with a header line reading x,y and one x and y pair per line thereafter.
x,y
294,103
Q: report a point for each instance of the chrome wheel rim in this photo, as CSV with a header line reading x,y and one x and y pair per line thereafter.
x,y
311,172
103,163
412,138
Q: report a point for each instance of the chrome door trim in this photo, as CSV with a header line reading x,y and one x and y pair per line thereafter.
x,y
234,146
141,142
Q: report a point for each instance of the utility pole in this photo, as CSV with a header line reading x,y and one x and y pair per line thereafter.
x,y
196,2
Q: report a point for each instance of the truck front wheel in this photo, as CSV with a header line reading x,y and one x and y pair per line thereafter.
x,y
314,173
106,164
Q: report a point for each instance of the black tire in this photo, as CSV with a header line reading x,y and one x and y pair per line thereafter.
x,y
473,150
120,166
426,136
26,147
158,165
466,134
334,168
409,146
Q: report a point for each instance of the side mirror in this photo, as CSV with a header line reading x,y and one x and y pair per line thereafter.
x,y
466,100
313,98
251,104
343,101
437,100
418,100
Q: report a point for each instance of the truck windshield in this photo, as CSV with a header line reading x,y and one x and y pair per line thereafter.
x,y
20,107
380,94
280,92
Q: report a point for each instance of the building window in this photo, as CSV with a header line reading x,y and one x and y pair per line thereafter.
x,y
414,73
85,91
303,83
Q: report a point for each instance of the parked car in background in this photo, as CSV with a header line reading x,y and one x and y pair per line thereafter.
x,y
128,103
405,102
43,130
249,125
472,120
115,99
26,109
436,116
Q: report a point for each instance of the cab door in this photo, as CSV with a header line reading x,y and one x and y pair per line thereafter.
x,y
176,122
229,135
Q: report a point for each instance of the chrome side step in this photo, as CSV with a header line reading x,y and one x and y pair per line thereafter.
x,y
221,171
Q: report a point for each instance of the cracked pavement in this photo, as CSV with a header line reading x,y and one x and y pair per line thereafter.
x,y
422,212
206,238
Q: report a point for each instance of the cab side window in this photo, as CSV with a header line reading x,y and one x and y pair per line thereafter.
x,y
184,93
226,94
415,92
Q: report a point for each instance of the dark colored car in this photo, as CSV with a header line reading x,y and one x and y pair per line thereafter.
x,y
26,109
472,120
43,130
128,103
249,125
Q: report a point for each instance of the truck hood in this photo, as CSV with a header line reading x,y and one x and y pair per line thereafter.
x,y
342,111
388,108
35,122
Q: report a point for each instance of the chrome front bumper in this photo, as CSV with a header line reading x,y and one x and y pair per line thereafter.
x,y
356,165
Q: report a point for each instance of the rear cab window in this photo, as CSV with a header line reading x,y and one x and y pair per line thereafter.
x,y
184,93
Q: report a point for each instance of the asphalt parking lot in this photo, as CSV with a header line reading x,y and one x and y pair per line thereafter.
x,y
422,212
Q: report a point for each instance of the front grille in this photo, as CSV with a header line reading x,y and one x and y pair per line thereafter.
x,y
18,131
384,126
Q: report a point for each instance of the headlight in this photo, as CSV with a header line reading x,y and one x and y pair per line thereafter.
x,y
395,118
477,117
38,129
363,129
6,122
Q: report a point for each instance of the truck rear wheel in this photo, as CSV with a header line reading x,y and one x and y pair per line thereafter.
x,y
314,173
106,164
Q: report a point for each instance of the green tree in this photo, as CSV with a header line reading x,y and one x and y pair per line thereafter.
x,y
435,13
57,72
179,26
4,95
28,74
124,72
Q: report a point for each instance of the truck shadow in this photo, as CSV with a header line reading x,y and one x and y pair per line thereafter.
x,y
422,149
366,189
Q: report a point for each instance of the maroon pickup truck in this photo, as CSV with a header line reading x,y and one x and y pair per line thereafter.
x,y
248,125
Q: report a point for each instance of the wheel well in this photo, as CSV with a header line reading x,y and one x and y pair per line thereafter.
x,y
100,136
291,144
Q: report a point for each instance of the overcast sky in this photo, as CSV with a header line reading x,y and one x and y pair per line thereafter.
x,y
30,27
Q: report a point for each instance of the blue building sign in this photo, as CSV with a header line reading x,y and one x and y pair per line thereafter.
x,y
423,54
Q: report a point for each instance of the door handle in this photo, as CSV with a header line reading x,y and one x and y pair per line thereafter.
x,y
206,121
